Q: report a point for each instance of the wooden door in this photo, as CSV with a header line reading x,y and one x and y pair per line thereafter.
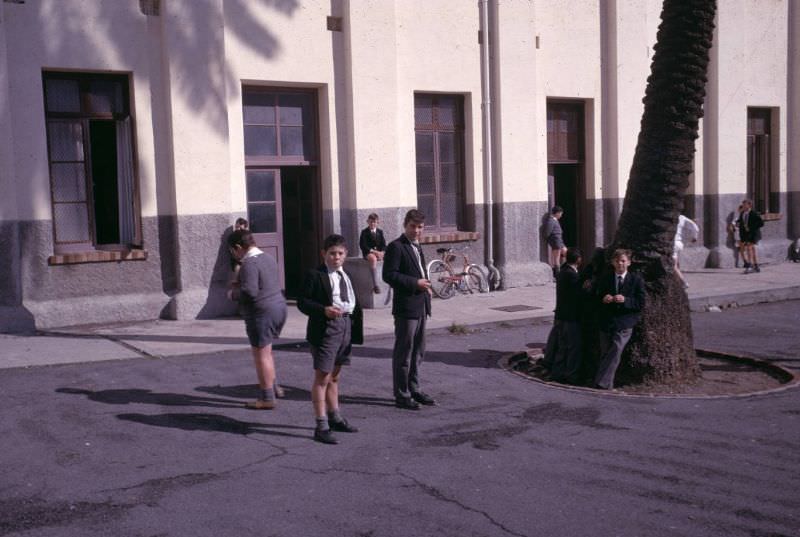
x,y
264,212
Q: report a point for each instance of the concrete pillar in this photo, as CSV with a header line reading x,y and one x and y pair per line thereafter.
x,y
195,73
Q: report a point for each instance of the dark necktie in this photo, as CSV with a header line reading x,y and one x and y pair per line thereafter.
x,y
619,283
343,294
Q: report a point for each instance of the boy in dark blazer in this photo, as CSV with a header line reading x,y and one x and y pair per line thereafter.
x,y
622,296
405,272
373,247
567,324
335,323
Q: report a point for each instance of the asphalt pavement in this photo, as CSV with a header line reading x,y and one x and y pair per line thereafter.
x,y
152,439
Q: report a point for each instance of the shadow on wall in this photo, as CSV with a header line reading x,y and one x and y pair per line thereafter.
x,y
190,26
217,302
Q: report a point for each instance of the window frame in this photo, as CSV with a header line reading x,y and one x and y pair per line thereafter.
x,y
434,128
69,251
762,171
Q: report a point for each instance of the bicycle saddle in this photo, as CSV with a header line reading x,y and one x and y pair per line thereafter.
x,y
443,250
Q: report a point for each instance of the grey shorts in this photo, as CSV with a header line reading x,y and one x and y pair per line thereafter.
x,y
264,326
335,347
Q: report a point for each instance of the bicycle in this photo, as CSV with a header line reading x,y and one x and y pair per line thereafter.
x,y
445,281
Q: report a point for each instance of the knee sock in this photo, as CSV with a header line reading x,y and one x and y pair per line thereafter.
x,y
334,416
376,277
322,423
267,394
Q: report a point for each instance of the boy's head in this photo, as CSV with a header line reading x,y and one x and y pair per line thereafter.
x,y
241,223
574,256
413,224
334,251
372,220
746,205
240,241
621,260
556,211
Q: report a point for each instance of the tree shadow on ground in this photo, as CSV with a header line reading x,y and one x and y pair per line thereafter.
x,y
147,397
292,393
480,358
214,423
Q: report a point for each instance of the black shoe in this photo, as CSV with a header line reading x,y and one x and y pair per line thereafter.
x,y
325,437
423,398
755,268
342,426
407,404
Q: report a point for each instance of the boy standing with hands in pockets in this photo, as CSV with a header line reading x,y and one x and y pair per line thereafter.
x,y
335,323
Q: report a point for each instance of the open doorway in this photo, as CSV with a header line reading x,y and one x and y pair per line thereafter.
x,y
301,215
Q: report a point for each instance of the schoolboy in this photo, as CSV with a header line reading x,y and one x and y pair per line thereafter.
x,y
622,296
335,323
404,270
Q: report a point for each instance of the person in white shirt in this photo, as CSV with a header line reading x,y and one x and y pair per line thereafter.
x,y
687,230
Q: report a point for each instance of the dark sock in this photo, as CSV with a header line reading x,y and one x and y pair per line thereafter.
x,y
334,416
267,394
322,423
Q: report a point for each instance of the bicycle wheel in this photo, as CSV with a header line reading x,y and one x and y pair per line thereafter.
x,y
441,279
476,279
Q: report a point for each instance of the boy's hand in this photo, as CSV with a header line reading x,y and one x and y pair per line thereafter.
x,y
332,312
608,299
619,299
423,284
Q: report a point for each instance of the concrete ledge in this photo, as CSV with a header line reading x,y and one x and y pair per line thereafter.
x,y
361,274
743,298
96,309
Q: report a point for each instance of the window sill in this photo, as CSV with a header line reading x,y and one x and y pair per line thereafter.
x,y
449,236
769,217
97,257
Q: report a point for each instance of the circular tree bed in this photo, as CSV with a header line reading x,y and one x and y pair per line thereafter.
x,y
722,375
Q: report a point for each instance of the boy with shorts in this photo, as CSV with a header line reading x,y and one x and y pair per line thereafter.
x,y
335,323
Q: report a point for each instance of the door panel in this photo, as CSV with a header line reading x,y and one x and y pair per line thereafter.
x,y
264,211
300,202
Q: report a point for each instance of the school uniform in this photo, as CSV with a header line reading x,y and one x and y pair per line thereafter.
x,y
617,322
567,325
403,266
370,240
750,224
331,340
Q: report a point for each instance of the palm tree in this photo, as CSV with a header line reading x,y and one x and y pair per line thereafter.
x,y
662,349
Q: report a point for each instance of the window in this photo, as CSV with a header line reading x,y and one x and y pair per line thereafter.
x,y
278,126
439,140
90,151
759,161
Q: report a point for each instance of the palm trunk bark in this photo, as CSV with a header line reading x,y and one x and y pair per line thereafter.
x,y
661,349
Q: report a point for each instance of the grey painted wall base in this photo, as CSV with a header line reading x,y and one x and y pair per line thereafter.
x,y
96,309
768,251
362,281
525,274
199,303
694,258
16,320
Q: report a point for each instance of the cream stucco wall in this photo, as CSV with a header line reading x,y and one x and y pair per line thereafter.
x,y
71,35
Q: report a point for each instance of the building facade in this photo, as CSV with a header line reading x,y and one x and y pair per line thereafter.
x,y
133,133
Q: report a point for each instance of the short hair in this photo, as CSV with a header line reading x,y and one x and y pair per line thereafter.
x,y
747,201
242,223
556,209
619,252
373,217
414,215
573,255
334,240
241,237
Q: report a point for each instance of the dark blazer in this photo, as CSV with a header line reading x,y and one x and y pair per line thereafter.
x,y
401,272
569,299
367,242
315,296
614,317
752,231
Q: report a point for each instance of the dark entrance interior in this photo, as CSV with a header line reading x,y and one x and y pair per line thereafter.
x,y
566,193
103,151
301,241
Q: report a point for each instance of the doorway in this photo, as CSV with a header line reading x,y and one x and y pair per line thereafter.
x,y
301,240
566,170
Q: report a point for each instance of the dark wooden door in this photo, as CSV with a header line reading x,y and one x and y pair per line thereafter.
x,y
301,214
264,211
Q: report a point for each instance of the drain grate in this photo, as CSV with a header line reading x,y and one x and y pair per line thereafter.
x,y
516,307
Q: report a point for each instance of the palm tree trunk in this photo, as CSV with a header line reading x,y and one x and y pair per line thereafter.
x,y
662,349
